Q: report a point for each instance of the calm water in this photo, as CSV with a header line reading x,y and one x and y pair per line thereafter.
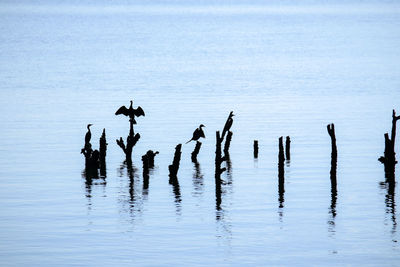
x,y
283,68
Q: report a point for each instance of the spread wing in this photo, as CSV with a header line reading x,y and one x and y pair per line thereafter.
x,y
139,112
122,110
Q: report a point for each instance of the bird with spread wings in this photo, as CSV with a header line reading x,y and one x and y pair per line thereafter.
x,y
130,112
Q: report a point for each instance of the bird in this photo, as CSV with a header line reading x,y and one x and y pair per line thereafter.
x,y
131,112
197,134
88,135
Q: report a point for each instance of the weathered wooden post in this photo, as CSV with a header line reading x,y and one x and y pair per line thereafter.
x,y
331,132
255,149
174,167
287,148
196,151
389,158
103,149
146,166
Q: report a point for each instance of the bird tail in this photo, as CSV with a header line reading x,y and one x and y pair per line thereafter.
x,y
188,141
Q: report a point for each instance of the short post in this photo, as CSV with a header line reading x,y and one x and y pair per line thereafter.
x,y
281,172
255,149
174,167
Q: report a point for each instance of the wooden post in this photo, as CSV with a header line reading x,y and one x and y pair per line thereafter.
x,y
281,173
255,149
196,151
173,169
331,132
146,161
150,157
228,142
103,149
287,148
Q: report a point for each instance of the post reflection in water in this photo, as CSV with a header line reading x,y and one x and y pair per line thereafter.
x,y
131,201
223,189
390,204
92,178
177,192
333,178
198,183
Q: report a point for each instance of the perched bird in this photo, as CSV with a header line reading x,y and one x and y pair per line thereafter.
x,y
131,112
197,134
88,135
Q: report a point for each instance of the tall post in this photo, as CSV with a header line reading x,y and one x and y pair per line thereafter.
x,y
281,172
331,132
287,148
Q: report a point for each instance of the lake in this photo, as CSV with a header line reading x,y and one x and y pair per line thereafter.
x,y
284,68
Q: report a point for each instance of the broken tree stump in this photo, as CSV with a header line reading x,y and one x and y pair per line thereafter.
x,y
287,148
331,132
389,157
131,141
255,149
196,151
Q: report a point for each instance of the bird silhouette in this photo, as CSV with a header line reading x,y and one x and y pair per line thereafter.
x,y
131,112
88,135
197,134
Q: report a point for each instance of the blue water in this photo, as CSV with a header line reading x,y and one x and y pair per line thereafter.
x,y
284,68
